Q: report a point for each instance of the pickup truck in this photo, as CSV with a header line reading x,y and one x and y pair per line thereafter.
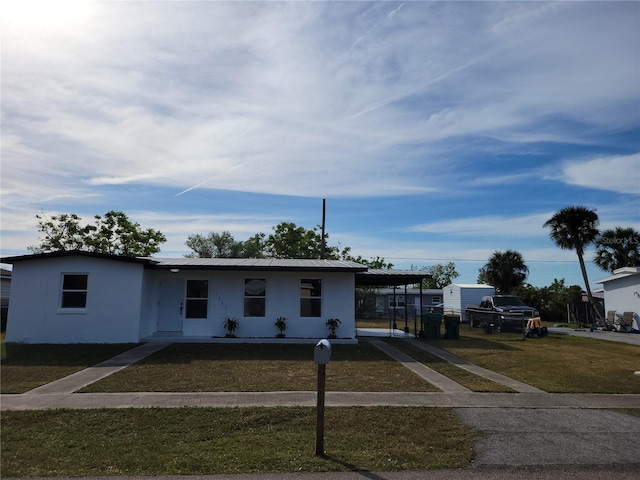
x,y
500,312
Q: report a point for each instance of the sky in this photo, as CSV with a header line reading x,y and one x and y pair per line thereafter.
x,y
436,131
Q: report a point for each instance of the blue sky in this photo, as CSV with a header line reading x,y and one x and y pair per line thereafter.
x,y
437,131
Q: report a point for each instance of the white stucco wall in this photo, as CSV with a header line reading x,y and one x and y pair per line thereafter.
x,y
226,299
112,313
622,294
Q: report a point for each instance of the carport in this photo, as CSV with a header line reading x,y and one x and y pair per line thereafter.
x,y
395,279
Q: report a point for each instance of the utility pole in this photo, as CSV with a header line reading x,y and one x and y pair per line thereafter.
x,y
323,242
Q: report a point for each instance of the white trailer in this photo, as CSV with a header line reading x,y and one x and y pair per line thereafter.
x,y
458,296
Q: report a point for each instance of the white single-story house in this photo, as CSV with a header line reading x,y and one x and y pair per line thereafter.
x,y
622,291
84,297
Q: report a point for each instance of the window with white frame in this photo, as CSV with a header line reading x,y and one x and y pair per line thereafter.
x,y
398,303
435,300
255,297
197,299
310,297
74,290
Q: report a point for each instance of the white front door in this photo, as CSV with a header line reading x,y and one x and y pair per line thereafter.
x,y
171,304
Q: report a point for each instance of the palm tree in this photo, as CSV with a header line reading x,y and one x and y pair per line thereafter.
x,y
505,271
617,249
575,228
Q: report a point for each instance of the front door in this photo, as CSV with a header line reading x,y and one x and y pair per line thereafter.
x,y
171,304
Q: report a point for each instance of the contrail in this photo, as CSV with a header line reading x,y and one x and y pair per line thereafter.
x,y
191,188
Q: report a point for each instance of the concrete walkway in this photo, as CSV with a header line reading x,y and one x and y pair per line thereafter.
x,y
475,369
81,379
434,378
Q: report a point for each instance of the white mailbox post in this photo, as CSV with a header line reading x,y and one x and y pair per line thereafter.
x,y
322,352
321,355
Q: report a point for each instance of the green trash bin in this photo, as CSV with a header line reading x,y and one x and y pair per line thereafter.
x,y
431,325
452,327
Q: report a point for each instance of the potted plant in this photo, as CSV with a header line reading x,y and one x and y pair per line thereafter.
x,y
281,324
333,324
230,325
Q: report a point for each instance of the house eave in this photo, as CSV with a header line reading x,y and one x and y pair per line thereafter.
x,y
620,273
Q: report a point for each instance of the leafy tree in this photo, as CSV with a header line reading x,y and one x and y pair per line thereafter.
x,y
254,247
377,263
366,302
290,241
617,248
114,233
575,228
60,232
287,241
215,245
505,271
441,275
552,300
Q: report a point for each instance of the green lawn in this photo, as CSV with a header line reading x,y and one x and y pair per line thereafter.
x,y
465,378
194,441
557,363
265,367
25,367
191,441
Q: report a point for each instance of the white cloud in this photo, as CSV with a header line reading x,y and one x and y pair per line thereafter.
x,y
617,173
489,226
322,98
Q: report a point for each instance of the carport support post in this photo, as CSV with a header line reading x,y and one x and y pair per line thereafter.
x,y
322,376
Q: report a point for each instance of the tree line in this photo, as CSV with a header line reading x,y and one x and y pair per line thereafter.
x,y
571,228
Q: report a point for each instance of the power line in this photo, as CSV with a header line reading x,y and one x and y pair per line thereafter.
x,y
476,261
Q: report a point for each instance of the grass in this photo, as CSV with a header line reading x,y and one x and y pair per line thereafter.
x,y
384,323
266,367
25,367
556,363
465,378
194,441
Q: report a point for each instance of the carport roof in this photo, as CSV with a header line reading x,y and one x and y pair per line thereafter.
x,y
389,277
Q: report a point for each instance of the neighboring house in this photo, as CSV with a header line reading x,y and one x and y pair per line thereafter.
x,y
83,297
389,301
622,290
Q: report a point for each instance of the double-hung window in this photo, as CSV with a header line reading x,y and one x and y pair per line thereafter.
x,y
399,301
310,297
197,298
74,290
255,297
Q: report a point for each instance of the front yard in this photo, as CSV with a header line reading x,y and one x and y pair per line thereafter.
x,y
191,441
